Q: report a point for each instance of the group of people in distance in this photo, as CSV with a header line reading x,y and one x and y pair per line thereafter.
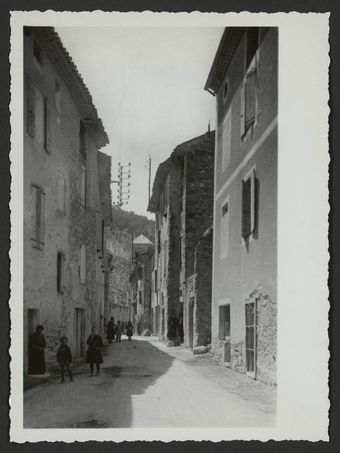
x,y
115,331
37,345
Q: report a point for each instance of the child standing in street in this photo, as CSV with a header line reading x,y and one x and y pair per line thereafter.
x,y
64,358
119,333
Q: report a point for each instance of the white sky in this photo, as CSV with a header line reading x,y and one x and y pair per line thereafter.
x,y
148,87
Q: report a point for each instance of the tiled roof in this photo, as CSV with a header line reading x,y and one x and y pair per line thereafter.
x,y
224,55
50,42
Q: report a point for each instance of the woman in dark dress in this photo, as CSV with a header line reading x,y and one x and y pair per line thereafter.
x,y
36,352
94,351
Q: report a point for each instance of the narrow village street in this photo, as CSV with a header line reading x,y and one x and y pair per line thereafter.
x,y
143,383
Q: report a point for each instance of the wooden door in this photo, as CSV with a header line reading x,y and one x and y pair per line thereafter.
x,y
250,313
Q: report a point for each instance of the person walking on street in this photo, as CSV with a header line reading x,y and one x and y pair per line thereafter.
x,y
64,358
94,353
110,330
36,352
119,332
129,330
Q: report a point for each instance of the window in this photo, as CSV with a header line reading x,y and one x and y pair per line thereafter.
x,y
181,251
38,216
159,241
82,264
225,91
60,272
225,230
82,138
224,322
61,193
140,297
249,89
83,185
38,115
226,140
156,281
249,205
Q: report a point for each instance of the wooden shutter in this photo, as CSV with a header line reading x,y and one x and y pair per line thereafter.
x,y
246,208
250,99
242,116
30,107
252,202
47,125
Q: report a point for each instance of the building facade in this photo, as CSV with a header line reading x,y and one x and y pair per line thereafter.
x,y
118,245
182,200
64,208
141,284
244,302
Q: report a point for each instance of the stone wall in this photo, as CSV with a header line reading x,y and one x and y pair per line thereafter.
x,y
68,221
203,280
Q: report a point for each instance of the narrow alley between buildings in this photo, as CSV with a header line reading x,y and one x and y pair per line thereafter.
x,y
143,383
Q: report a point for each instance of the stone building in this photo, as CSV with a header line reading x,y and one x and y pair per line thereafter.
x,y
118,245
64,199
244,78
141,283
182,200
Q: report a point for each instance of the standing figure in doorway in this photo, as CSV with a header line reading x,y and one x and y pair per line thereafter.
x,y
36,352
110,330
94,351
129,330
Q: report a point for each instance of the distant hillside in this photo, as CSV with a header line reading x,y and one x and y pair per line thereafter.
x,y
132,223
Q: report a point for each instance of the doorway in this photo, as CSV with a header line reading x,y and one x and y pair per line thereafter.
x,y
80,332
250,312
32,322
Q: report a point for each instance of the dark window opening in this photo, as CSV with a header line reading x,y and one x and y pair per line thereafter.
x,y
249,206
225,91
225,209
60,272
82,139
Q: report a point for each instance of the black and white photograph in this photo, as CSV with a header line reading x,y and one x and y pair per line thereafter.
x,y
156,195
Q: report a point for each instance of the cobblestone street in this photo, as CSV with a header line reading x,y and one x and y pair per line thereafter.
x,y
146,384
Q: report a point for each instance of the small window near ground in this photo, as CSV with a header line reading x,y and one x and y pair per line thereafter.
x,y
224,322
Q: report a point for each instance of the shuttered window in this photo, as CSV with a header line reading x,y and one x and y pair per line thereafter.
x,y
249,205
249,89
38,216
47,125
60,272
